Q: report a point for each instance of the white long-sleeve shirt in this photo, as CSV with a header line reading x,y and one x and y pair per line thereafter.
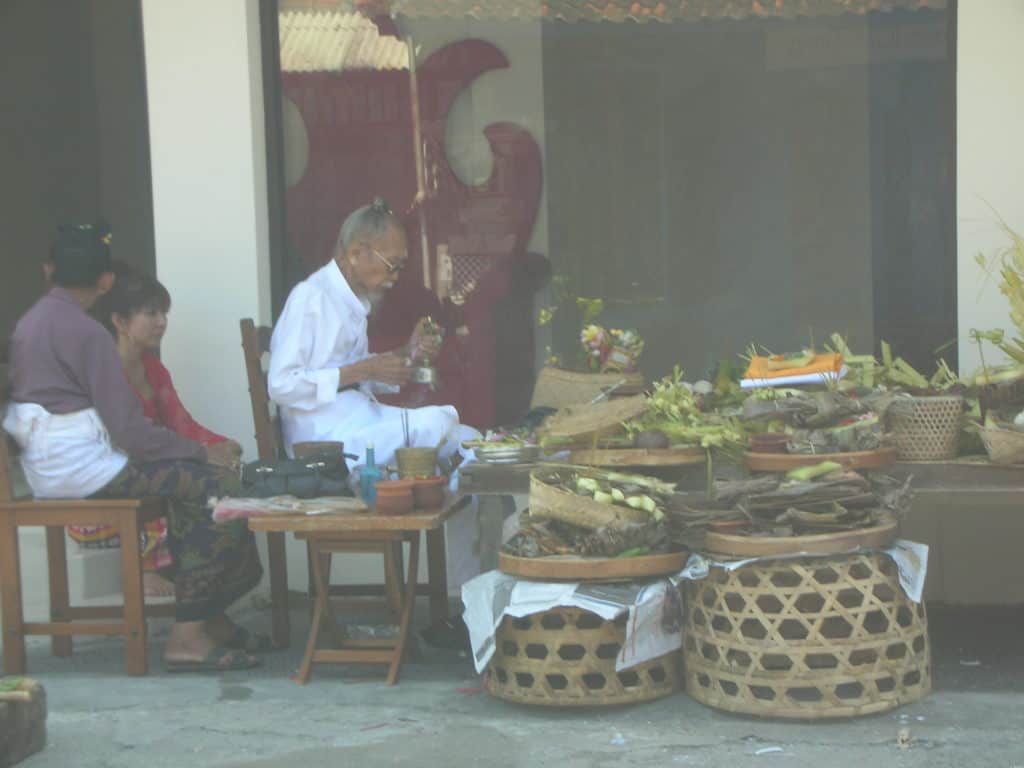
x,y
322,329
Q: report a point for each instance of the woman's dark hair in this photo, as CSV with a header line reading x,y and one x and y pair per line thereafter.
x,y
133,292
80,254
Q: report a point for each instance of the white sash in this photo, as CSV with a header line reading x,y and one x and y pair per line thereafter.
x,y
64,456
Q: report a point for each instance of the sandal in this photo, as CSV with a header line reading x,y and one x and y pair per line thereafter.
x,y
451,634
219,659
250,642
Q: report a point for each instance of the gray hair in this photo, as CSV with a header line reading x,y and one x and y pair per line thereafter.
x,y
366,223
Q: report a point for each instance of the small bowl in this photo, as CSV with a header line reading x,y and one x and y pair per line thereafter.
x,y
394,497
428,492
416,462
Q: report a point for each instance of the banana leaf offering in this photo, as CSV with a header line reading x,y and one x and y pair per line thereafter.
x,y
590,512
819,422
803,503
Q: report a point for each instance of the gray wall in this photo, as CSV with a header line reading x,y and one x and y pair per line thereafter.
x,y
714,180
73,136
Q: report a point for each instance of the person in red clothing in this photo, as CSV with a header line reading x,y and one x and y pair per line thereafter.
x,y
135,312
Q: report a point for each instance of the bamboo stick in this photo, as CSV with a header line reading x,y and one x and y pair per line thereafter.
x,y
421,173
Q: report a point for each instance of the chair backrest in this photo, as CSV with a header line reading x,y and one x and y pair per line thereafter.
x,y
6,484
255,342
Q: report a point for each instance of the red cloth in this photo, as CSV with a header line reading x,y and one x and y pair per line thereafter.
x,y
166,409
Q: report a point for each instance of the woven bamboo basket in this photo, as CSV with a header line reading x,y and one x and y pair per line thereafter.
x,y
565,657
416,462
548,502
927,428
585,425
559,388
806,639
1004,446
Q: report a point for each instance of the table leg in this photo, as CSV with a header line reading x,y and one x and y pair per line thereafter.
x,y
10,598
437,574
328,618
409,598
320,598
491,513
393,577
134,601
60,602
281,626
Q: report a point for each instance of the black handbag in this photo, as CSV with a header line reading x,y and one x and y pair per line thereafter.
x,y
313,476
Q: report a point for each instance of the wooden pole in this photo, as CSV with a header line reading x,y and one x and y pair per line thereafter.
x,y
421,173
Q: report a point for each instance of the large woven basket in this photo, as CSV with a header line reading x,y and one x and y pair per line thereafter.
x,y
927,428
558,387
807,639
1004,446
565,657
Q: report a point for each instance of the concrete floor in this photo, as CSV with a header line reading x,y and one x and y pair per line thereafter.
x,y
438,716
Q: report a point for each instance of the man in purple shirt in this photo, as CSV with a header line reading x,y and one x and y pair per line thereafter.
x,y
83,433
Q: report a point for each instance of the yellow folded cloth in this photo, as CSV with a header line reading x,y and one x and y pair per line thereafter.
x,y
761,367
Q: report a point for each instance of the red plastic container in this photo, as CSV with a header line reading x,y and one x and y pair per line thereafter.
x,y
428,492
394,497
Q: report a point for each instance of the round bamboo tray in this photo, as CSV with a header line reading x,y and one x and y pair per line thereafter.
x,y
783,462
807,639
576,568
514,454
592,514
565,657
640,457
558,387
735,545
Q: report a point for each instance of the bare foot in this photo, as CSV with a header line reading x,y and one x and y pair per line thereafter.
x,y
221,628
190,642
155,585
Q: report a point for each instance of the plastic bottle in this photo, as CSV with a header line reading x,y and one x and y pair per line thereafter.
x,y
369,477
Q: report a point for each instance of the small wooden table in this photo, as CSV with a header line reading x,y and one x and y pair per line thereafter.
x,y
495,486
326,531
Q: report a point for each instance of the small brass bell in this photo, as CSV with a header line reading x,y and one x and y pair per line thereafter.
x,y
424,371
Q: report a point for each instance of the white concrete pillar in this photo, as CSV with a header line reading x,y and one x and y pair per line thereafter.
x,y
208,150
990,165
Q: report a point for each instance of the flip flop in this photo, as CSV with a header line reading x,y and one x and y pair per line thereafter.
x,y
450,634
220,659
250,642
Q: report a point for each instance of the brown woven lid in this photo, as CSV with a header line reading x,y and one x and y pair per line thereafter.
x,y
579,421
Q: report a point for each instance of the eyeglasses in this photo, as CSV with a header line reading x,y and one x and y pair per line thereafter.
x,y
393,269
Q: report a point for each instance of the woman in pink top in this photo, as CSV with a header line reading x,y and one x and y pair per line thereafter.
x,y
135,312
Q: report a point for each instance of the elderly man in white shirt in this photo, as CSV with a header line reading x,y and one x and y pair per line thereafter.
x,y
323,377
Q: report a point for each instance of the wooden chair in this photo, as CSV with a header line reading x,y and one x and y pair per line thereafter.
x,y
256,342
127,620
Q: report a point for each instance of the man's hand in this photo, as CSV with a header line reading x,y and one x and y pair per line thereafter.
x,y
426,339
390,369
224,454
